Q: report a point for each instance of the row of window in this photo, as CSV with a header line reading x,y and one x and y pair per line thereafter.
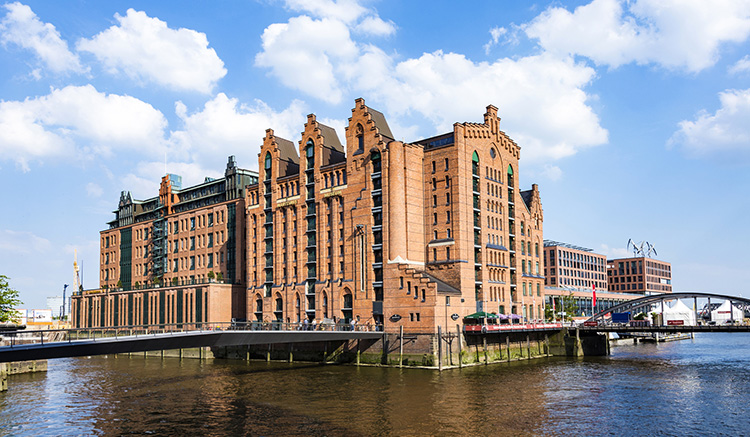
x,y
434,165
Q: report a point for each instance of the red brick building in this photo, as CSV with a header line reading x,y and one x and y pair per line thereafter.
x,y
371,228
390,232
640,275
175,258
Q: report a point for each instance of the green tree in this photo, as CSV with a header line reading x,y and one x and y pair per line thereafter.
x,y
8,301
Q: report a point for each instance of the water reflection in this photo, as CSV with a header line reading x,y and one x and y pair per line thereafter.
x,y
674,388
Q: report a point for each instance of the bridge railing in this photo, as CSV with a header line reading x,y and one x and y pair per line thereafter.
x,y
17,338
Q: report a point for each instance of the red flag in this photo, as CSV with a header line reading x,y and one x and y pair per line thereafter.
x,y
593,287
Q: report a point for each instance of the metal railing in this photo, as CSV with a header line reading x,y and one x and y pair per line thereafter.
x,y
18,338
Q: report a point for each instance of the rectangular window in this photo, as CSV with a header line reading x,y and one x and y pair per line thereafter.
x,y
210,220
192,263
192,223
192,243
210,260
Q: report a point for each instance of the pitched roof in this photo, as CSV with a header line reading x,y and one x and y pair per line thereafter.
x,y
331,138
441,286
287,151
527,196
380,122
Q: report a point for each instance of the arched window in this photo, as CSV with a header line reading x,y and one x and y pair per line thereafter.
x,y
475,164
310,154
279,304
359,132
267,165
510,175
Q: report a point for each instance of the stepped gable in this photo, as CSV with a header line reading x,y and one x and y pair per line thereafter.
x,y
490,129
325,138
374,122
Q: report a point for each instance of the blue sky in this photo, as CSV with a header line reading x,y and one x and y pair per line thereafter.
x,y
633,117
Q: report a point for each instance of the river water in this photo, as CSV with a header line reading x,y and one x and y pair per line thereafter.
x,y
689,387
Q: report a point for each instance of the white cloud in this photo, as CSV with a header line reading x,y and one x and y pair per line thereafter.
x,y
145,48
741,66
22,242
540,98
94,190
552,172
495,34
376,26
346,11
302,54
143,182
22,27
615,252
226,127
674,33
726,130
75,121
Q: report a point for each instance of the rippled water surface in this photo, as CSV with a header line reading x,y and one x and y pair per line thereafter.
x,y
690,387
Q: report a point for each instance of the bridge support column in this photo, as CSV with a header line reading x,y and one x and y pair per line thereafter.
x,y
3,377
460,346
507,346
528,347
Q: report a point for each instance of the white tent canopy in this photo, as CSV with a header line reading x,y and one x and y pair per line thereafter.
x,y
679,311
722,313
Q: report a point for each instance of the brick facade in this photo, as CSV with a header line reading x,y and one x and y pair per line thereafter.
x,y
374,229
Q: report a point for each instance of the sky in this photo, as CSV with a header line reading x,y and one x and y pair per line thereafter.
x,y
633,117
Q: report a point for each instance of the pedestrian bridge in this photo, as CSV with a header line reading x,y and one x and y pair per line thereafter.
x,y
40,345
602,321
